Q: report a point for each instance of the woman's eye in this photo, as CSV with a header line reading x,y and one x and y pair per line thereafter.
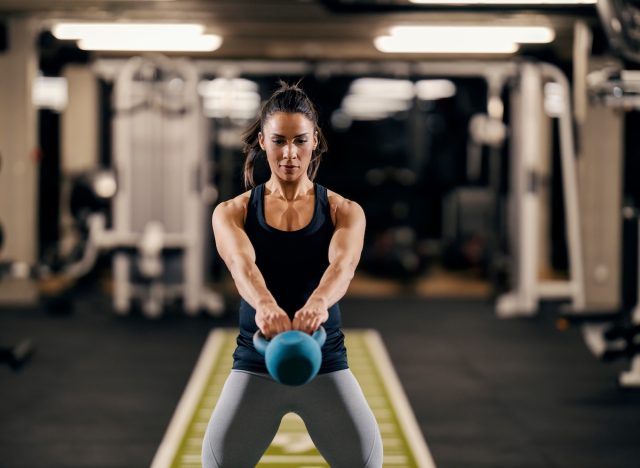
x,y
301,142
278,142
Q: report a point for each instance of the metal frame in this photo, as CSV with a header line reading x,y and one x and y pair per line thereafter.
x,y
529,289
159,155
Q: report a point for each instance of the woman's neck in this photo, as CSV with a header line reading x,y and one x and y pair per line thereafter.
x,y
289,191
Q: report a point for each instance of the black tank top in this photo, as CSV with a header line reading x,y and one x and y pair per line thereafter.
x,y
292,263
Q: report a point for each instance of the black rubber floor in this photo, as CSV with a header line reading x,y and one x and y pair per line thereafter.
x,y
487,393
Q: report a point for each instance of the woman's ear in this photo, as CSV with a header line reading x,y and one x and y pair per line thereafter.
x,y
315,139
261,140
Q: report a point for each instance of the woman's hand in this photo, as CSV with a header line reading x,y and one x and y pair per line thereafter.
x,y
271,319
311,316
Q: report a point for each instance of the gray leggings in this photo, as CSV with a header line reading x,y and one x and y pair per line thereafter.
x,y
332,406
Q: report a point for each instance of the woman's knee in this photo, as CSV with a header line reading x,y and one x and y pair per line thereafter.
x,y
209,459
375,457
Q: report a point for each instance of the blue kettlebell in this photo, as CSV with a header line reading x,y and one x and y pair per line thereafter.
x,y
292,357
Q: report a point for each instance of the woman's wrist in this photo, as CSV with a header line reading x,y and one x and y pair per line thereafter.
x,y
266,301
318,301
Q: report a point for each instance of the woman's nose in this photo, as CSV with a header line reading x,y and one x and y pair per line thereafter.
x,y
290,151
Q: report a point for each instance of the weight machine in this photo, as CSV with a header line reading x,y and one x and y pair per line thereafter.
x,y
159,205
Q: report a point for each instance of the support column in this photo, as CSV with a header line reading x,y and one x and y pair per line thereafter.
x,y
18,151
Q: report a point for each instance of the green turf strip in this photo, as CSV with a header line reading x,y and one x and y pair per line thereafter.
x,y
292,446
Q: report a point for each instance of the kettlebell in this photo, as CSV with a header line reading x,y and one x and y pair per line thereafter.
x,y
292,357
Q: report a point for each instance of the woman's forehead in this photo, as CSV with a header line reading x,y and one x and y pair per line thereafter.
x,y
286,123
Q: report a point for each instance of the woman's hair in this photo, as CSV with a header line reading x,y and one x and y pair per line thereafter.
x,y
288,98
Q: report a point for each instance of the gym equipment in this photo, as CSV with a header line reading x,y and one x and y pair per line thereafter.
x,y
467,227
18,355
631,332
621,21
292,357
529,289
160,199
616,335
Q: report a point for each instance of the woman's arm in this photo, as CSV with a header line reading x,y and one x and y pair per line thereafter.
x,y
238,254
344,254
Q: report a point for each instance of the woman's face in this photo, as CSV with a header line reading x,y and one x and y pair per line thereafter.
x,y
289,140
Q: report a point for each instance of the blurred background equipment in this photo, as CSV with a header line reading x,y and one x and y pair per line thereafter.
x,y
159,209
17,355
620,20
525,208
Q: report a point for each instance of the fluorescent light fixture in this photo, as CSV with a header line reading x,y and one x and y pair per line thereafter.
x,y
517,34
504,2
363,107
382,87
461,39
431,90
205,43
390,44
85,30
377,98
236,98
139,36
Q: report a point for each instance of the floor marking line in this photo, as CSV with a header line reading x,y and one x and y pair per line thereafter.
x,y
399,400
188,402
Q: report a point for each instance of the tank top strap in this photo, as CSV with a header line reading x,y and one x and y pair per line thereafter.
x,y
254,206
323,198
325,208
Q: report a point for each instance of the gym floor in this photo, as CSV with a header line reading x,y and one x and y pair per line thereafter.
x,y
101,389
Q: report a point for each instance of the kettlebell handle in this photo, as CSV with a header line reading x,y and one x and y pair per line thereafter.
x,y
261,343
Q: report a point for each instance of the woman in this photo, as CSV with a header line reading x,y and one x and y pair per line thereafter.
x,y
292,247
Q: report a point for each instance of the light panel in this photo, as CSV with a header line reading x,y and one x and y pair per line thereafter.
x,y
504,2
86,30
205,43
472,33
468,39
391,44
142,37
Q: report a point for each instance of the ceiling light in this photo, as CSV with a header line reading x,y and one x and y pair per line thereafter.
x,y
387,87
461,33
363,107
236,98
431,90
139,36
84,30
503,2
461,39
205,43
390,44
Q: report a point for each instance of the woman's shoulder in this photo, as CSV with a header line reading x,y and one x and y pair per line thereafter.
x,y
234,207
341,206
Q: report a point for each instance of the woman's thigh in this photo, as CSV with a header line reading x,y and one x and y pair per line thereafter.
x,y
340,422
244,421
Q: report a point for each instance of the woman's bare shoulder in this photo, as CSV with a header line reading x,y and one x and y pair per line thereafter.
x,y
234,207
341,205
